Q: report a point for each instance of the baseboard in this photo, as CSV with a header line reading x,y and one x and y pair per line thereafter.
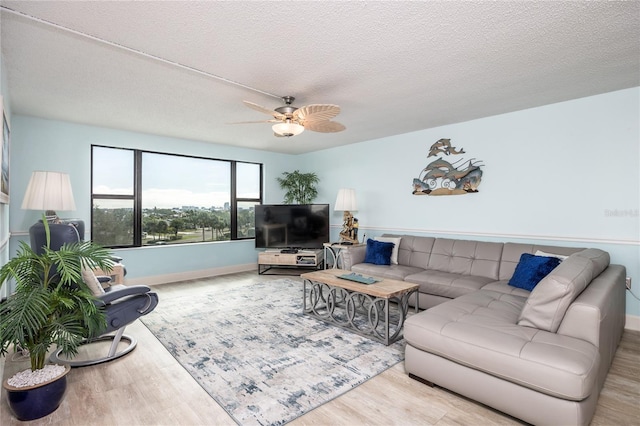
x,y
632,322
191,275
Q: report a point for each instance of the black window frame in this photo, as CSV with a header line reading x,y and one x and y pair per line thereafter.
x,y
137,193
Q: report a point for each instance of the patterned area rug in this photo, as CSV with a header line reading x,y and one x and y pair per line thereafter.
x,y
259,357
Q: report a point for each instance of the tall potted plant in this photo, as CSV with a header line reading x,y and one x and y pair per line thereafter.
x,y
300,187
51,305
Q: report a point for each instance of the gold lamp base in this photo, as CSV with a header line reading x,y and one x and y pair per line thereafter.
x,y
349,228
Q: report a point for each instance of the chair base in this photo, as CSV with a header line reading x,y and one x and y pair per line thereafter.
x,y
113,354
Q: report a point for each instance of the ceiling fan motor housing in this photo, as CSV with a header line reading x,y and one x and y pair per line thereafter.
x,y
287,109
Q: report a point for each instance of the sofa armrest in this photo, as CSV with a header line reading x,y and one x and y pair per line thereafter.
x,y
352,256
598,313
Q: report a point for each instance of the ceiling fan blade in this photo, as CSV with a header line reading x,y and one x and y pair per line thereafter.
x,y
324,126
262,109
252,122
316,112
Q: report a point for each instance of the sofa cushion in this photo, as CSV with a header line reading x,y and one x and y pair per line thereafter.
x,y
378,252
504,287
466,257
413,251
396,246
550,299
599,258
531,270
479,330
447,284
395,272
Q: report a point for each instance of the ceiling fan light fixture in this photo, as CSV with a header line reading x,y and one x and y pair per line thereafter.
x,y
291,121
287,129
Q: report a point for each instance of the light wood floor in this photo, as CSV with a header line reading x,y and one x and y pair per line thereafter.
x,y
148,387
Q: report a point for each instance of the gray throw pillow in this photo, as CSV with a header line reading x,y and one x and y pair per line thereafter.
x,y
92,282
550,299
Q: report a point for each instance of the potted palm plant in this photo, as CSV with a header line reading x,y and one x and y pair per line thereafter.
x,y
300,187
51,305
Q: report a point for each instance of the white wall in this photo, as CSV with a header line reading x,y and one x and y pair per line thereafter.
x,y
556,174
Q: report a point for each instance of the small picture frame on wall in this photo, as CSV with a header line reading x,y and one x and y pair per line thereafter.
x,y
4,156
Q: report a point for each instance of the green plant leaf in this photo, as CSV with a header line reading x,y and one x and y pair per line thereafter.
x,y
51,303
300,187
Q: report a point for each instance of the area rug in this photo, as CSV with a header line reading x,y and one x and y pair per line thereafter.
x,y
252,349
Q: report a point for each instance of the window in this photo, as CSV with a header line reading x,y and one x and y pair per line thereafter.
x,y
248,194
113,197
142,198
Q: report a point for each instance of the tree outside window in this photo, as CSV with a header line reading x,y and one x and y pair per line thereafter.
x,y
145,198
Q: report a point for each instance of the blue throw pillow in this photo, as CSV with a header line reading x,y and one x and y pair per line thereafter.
x,y
378,252
531,270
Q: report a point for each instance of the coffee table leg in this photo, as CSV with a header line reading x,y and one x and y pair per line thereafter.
x,y
304,296
386,320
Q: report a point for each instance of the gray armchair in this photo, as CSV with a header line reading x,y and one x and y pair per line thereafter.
x,y
122,304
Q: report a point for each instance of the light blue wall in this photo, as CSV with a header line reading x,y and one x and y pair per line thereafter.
x,y
4,208
39,144
556,174
552,175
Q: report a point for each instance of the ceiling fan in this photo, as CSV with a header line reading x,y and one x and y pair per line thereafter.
x,y
291,121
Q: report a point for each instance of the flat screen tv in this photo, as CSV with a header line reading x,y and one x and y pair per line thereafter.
x,y
292,226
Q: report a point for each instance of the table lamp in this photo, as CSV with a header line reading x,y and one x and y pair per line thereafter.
x,y
49,191
346,202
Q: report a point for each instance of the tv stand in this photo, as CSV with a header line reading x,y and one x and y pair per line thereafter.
x,y
289,251
299,260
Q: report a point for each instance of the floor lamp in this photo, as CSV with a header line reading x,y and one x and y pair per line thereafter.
x,y
346,202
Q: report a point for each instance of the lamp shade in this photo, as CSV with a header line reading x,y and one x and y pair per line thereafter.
x,y
346,200
287,129
49,191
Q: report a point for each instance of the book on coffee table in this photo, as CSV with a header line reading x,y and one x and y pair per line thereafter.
x,y
359,278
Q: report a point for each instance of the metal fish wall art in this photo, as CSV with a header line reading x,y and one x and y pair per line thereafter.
x,y
442,177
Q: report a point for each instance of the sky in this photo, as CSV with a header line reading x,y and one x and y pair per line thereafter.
x,y
172,181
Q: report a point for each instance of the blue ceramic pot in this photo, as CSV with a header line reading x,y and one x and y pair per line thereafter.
x,y
37,401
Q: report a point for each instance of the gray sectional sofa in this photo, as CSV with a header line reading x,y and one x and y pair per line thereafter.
x,y
541,356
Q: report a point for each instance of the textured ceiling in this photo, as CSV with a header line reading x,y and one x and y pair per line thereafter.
x,y
393,67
